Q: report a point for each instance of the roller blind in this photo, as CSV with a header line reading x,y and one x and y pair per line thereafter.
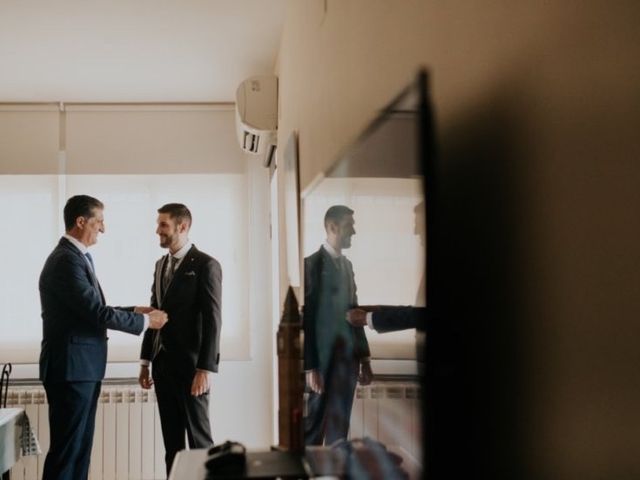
x,y
29,139
148,139
134,159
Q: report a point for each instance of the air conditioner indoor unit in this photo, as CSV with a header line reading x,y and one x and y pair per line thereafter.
x,y
257,116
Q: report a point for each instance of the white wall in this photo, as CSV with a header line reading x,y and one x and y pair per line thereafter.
x,y
242,401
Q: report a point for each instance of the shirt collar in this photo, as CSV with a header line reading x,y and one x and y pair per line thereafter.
x,y
331,251
76,243
180,254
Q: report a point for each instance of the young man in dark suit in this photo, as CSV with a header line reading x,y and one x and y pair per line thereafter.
x,y
188,286
336,354
75,319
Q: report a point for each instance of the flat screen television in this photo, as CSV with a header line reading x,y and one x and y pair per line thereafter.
x,y
377,262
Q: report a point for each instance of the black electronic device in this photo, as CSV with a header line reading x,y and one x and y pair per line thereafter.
x,y
227,460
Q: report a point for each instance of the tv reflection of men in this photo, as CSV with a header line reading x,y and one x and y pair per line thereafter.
x,y
391,318
388,318
336,354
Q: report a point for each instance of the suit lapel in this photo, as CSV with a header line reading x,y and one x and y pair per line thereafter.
x,y
158,283
340,275
187,262
88,270
94,280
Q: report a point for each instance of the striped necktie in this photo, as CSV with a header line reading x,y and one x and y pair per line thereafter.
x,y
170,268
90,258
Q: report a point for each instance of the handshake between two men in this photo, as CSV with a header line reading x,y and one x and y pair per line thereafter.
x,y
157,318
388,318
76,317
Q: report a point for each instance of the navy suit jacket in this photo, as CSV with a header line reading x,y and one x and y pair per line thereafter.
x,y
75,318
392,318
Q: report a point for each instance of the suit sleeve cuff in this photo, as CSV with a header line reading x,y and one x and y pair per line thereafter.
x,y
370,320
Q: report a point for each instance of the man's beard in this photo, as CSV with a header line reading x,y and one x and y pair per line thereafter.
x,y
166,241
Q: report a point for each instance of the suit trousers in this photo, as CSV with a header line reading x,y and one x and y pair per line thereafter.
x,y
72,415
329,413
180,412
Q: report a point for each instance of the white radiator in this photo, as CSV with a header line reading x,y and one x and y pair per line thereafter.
x,y
390,412
127,443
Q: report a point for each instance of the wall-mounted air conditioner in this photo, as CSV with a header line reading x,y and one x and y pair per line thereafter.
x,y
257,116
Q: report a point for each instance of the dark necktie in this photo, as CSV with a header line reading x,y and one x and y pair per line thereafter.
x,y
172,263
90,258
169,270
94,279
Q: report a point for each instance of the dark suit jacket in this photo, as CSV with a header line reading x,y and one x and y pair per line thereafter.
x,y
328,295
191,337
75,318
392,318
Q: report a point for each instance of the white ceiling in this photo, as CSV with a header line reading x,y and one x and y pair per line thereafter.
x,y
135,50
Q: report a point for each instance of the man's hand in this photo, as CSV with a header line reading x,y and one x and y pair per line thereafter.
x,y
157,319
144,379
143,309
315,381
357,317
200,384
366,375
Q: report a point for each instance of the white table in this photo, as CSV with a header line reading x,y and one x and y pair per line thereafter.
x,y
9,437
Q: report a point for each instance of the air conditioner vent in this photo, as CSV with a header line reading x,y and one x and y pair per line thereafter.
x,y
251,142
257,115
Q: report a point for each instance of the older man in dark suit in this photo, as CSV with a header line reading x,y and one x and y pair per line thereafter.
x,y
75,319
336,354
188,286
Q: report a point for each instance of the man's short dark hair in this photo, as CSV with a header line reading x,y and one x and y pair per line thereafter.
x,y
336,213
80,206
177,211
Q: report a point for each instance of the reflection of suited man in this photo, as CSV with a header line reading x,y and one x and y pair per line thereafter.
x,y
334,352
187,283
74,345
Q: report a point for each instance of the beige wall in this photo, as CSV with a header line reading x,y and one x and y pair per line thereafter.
x,y
537,107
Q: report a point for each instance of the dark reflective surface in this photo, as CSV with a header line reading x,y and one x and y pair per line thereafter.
x,y
364,243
